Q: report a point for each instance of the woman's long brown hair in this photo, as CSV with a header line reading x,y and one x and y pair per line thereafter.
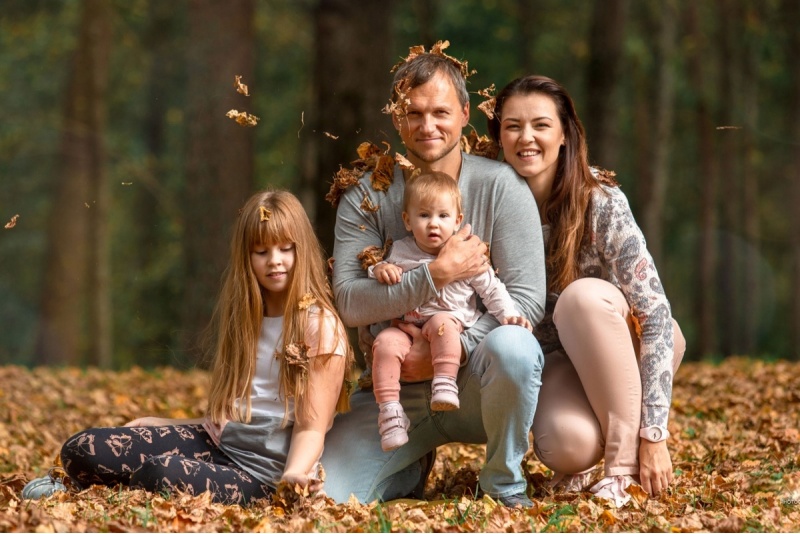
x,y
568,208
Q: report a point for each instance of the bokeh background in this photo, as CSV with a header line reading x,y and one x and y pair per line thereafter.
x,y
117,156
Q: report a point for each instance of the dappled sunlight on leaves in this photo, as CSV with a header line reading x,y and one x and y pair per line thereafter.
x,y
735,449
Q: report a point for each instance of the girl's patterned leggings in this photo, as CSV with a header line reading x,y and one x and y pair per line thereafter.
x,y
158,459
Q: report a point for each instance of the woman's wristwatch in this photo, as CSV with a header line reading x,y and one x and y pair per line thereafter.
x,y
654,433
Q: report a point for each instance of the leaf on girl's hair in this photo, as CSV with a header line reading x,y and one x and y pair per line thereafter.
x,y
368,206
242,118
296,354
479,145
240,87
264,213
13,222
440,333
373,254
307,301
331,261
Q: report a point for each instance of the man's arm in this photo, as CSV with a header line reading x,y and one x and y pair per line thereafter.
x,y
362,301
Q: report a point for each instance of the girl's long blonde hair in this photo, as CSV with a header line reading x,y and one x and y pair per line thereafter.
x,y
267,218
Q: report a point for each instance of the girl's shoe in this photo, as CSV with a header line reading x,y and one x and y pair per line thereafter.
x,y
444,394
613,488
43,487
393,426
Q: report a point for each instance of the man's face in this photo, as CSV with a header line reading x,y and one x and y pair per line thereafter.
x,y
431,129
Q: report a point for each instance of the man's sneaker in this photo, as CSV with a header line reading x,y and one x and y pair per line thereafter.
x,y
43,487
444,394
518,499
393,426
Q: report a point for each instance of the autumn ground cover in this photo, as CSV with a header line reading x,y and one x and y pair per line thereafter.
x,y
735,447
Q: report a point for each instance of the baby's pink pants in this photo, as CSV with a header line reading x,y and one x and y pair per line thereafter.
x,y
443,332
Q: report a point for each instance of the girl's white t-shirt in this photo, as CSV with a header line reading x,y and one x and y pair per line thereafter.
x,y
264,397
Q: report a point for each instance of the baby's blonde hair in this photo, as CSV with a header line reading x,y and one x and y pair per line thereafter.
x,y
430,185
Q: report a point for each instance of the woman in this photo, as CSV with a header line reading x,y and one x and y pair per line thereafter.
x,y
610,342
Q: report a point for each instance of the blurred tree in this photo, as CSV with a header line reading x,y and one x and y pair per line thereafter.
x,y
77,275
698,63
427,14
606,38
351,82
729,313
219,165
652,193
790,10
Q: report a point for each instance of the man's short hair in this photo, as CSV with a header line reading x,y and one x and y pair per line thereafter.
x,y
420,69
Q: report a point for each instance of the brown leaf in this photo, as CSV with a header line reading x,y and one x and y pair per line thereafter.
x,y
342,180
372,254
368,206
264,213
479,145
240,87
307,301
242,118
440,332
383,175
13,222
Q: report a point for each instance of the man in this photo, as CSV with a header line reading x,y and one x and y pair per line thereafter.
x,y
499,381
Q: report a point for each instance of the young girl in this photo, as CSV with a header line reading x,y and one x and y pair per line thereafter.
x,y
432,213
278,377
611,345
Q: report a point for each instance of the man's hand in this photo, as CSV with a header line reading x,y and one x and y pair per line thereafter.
x,y
418,365
519,321
655,466
387,273
462,256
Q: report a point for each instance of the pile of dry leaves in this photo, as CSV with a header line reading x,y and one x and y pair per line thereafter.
x,y
735,447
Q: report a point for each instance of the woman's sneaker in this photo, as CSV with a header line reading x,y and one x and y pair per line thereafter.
x,y
444,394
43,487
393,426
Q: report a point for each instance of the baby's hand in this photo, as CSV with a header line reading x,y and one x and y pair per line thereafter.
x,y
519,321
387,273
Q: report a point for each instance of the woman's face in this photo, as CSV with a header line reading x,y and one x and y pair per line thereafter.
x,y
531,135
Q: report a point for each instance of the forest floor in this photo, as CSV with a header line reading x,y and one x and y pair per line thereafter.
x,y
735,450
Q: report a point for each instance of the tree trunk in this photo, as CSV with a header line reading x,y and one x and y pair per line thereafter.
x,y
78,223
706,254
730,301
352,84
751,296
791,17
526,17
653,207
220,152
606,39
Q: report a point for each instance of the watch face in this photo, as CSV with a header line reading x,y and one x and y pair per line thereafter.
x,y
655,434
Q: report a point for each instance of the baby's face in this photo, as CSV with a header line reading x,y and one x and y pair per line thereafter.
x,y
432,222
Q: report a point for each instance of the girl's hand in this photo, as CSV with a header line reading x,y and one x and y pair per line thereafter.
x,y
149,421
215,431
313,485
655,466
387,273
519,321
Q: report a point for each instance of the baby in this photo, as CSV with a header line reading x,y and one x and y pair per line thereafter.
x,y
432,213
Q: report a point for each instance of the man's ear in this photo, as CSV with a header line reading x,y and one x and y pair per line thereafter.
x,y
465,112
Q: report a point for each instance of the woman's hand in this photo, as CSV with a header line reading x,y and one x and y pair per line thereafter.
x,y
655,466
387,273
519,321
